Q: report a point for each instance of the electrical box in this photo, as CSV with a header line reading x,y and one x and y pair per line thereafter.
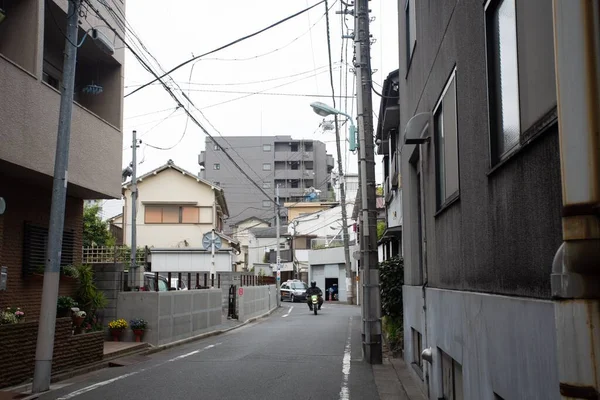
x,y
3,277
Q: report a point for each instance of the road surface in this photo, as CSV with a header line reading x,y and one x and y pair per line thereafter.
x,y
292,354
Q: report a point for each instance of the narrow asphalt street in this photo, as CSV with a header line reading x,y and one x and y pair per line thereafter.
x,y
291,354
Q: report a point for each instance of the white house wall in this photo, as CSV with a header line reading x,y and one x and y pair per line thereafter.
x,y
190,261
394,210
321,226
171,187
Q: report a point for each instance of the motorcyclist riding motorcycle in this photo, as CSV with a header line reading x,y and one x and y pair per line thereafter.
x,y
314,289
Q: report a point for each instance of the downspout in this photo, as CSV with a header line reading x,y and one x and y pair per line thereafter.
x,y
575,280
427,352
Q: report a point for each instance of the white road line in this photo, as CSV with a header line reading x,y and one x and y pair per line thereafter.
x,y
288,313
345,391
118,378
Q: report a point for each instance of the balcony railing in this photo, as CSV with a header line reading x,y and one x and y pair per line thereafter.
x,y
323,243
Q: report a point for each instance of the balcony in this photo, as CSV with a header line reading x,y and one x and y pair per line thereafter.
x,y
291,156
202,158
330,163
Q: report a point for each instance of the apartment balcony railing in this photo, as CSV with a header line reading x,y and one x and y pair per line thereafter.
x,y
324,243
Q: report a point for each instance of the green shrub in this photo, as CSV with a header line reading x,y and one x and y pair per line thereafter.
x,y
391,278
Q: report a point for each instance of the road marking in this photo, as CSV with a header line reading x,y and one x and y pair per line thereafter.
x,y
345,392
288,313
118,378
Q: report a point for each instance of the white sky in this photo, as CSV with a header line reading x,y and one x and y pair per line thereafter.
x,y
179,28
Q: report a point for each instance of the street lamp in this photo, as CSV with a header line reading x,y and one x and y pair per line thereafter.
x,y
324,110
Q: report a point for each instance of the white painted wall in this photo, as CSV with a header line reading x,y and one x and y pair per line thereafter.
x,y
184,260
169,186
319,273
320,224
241,234
394,209
505,345
258,246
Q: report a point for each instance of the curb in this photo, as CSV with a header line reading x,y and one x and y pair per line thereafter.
x,y
105,363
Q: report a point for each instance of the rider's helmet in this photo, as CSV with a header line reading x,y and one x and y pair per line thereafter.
x,y
313,284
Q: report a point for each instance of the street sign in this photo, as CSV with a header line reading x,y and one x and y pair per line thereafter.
x,y
207,241
241,291
278,275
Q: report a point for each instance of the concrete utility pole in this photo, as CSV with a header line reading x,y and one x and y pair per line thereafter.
x,y
135,275
47,322
372,347
277,251
575,279
349,283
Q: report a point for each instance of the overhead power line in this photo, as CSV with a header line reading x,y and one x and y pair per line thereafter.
x,y
225,46
173,95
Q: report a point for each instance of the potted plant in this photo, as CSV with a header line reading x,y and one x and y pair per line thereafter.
x,y
138,326
78,318
116,328
64,306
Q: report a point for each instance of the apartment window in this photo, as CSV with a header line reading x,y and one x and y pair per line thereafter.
x,y
266,147
452,386
216,147
266,167
294,147
503,77
266,203
446,144
417,347
216,166
266,185
168,214
410,21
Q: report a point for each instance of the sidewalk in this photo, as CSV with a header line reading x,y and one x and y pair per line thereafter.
x,y
394,381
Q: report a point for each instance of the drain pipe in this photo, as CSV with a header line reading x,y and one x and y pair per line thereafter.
x,y
575,277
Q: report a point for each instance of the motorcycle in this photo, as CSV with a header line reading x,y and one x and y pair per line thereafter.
x,y
315,302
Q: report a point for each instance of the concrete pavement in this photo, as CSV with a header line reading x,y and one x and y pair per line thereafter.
x,y
291,354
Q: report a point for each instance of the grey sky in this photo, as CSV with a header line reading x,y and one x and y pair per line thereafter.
x,y
180,28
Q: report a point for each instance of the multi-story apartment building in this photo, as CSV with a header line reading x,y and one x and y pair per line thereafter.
x,y
31,59
295,165
475,139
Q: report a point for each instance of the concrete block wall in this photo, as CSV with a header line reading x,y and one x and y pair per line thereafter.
x,y
171,316
108,278
256,300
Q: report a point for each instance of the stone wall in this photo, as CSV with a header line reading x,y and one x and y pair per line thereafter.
x,y
109,279
18,343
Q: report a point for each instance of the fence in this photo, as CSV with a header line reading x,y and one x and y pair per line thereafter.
x,y
116,254
154,281
323,243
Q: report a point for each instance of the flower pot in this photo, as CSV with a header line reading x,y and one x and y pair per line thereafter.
x,y
116,333
77,321
138,334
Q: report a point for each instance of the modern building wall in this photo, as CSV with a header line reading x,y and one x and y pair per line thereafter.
x,y
30,44
485,251
269,160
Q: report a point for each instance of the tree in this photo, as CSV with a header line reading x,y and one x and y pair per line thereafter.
x,y
95,231
380,229
379,190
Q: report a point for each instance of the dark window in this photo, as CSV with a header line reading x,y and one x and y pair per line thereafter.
x,y
216,166
446,144
503,77
35,240
294,147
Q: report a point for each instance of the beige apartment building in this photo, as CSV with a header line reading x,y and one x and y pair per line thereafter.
x,y
31,60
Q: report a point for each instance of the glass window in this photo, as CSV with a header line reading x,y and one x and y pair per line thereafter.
x,y
266,167
162,286
170,215
503,77
216,166
266,203
446,144
216,147
190,215
153,215
410,21
266,147
266,185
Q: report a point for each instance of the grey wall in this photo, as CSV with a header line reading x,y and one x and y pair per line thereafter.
x,y
256,301
108,278
243,198
505,344
502,233
171,316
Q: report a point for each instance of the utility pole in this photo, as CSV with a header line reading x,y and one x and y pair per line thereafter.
x,y
135,275
212,259
575,282
349,283
47,322
277,251
372,346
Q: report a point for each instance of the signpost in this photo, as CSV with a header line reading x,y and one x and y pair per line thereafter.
x,y
214,242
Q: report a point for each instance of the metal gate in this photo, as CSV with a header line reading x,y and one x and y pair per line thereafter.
x,y
231,312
